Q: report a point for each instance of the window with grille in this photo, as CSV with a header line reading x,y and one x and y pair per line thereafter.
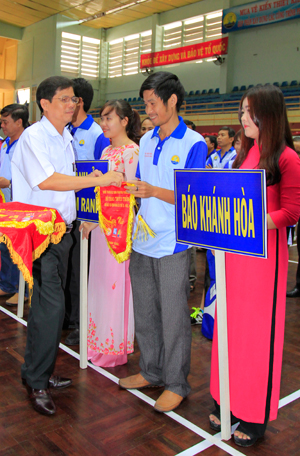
x,y
124,54
90,50
172,35
213,26
115,59
70,53
193,30
131,54
79,55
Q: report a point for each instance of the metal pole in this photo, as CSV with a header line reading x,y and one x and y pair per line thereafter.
x,y
83,301
20,308
223,345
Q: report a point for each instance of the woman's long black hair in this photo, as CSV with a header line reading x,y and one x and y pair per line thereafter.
x,y
268,112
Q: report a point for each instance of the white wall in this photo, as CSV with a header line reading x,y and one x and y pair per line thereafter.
x,y
270,53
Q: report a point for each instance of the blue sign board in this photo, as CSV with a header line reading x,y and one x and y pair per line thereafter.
x,y
85,199
259,13
222,209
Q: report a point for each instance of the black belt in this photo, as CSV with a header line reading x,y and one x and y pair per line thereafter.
x,y
69,228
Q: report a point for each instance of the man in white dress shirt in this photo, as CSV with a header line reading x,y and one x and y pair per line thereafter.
x,y
43,174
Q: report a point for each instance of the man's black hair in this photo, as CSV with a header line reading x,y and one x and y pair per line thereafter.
x,y
83,89
164,85
17,111
231,132
48,88
190,123
213,139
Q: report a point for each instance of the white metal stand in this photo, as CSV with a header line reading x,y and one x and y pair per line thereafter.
x,y
83,302
223,345
20,308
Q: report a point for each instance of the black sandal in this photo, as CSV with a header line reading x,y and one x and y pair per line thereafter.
x,y
217,427
213,425
244,442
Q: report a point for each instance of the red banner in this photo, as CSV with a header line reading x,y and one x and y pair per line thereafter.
x,y
27,231
116,213
185,54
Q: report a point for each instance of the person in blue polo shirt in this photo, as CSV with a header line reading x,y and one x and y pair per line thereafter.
x,y
14,119
159,267
211,142
219,158
88,143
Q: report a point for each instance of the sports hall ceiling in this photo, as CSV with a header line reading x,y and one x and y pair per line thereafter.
x,y
113,12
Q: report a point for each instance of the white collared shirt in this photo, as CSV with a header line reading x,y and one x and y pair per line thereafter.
x,y
7,152
41,151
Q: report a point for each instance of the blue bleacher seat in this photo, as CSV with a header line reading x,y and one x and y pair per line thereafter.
x,y
250,86
191,93
211,91
276,84
235,89
294,83
284,84
129,99
217,90
204,92
243,88
134,99
198,92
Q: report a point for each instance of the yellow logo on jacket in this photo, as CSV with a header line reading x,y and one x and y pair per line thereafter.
x,y
81,142
175,160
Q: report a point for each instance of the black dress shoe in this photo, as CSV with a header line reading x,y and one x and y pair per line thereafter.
x,y
294,293
73,338
42,401
56,382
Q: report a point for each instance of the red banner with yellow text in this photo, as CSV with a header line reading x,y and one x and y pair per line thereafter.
x,y
185,54
116,214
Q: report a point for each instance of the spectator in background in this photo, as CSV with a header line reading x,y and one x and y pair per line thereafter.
x,y
211,142
296,141
237,143
227,152
14,120
190,124
295,292
146,125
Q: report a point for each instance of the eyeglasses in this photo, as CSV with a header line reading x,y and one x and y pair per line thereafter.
x,y
67,99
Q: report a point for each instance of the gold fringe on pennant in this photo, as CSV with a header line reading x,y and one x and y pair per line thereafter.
x,y
18,261
2,196
59,231
44,228
104,223
143,230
